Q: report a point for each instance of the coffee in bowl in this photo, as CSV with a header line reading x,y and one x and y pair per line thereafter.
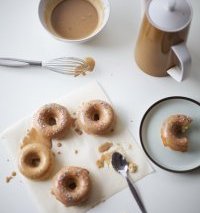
x,y
74,20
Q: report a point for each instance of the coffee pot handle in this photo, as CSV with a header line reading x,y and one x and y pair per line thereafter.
x,y
184,58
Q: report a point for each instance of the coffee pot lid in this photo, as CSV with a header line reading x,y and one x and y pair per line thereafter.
x,y
169,15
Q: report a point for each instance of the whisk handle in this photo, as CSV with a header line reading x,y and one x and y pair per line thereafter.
x,y
15,62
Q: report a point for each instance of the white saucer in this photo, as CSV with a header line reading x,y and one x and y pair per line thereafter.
x,y
151,123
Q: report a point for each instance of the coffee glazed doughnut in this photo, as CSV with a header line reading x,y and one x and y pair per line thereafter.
x,y
52,120
96,117
173,132
36,161
71,186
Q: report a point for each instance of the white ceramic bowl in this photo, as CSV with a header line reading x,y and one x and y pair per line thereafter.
x,y
104,14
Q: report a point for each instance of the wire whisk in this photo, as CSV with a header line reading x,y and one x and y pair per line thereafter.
x,y
65,65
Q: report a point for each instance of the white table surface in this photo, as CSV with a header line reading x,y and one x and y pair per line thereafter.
x,y
131,91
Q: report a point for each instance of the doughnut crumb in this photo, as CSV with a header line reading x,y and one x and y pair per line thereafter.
x,y
132,167
59,144
9,178
76,127
14,173
78,131
76,151
105,147
100,163
104,159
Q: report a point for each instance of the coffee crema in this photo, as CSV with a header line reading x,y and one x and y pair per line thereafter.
x,y
74,19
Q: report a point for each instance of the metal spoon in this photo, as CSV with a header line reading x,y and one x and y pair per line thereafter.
x,y
121,165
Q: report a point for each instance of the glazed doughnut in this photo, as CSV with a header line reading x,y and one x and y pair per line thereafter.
x,y
52,120
173,132
71,186
36,161
96,117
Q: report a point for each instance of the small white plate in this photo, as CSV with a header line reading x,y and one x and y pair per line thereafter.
x,y
150,137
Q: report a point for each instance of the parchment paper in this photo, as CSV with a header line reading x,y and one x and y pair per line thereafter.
x,y
105,181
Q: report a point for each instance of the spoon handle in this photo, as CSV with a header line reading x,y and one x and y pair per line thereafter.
x,y
135,195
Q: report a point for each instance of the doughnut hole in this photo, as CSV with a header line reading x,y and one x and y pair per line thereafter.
x,y
70,183
32,159
177,130
94,114
50,119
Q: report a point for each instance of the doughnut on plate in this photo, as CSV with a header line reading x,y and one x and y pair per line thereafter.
x,y
150,137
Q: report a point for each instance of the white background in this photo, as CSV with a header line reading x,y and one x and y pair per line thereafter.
x,y
131,91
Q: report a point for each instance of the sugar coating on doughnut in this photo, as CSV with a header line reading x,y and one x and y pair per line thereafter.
x,y
96,117
71,185
173,132
52,120
36,161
